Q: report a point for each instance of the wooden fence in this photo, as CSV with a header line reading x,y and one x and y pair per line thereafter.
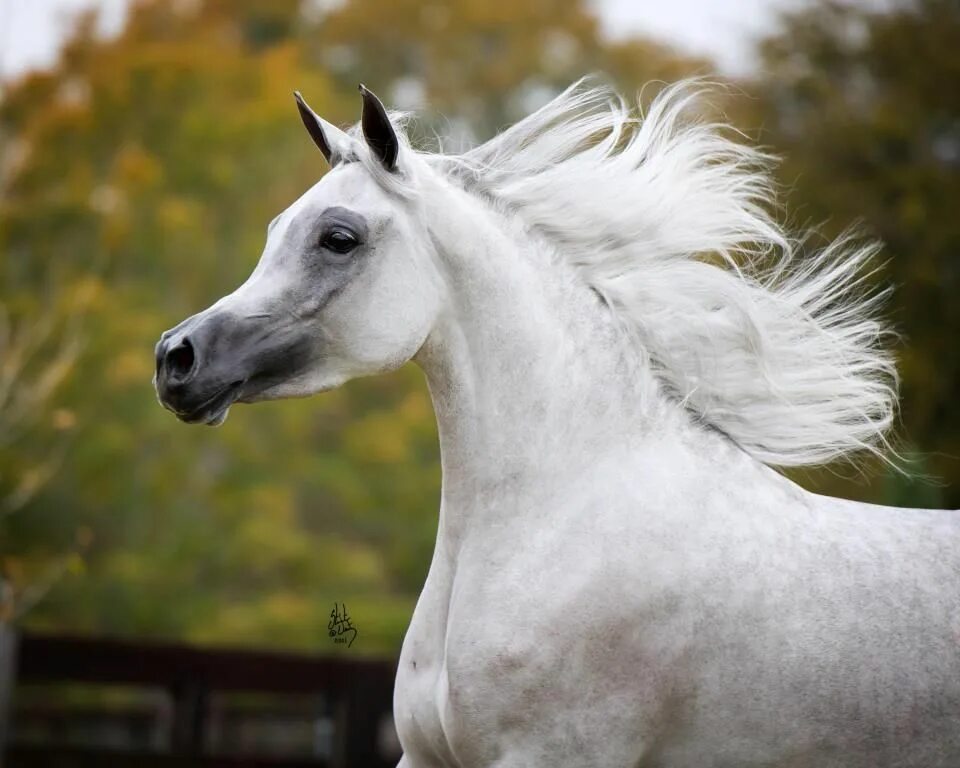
x,y
186,712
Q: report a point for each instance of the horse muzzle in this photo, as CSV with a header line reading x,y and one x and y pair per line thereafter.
x,y
215,358
196,378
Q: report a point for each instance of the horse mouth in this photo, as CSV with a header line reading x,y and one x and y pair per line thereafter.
x,y
213,410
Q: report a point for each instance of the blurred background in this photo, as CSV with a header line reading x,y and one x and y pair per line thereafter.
x,y
144,147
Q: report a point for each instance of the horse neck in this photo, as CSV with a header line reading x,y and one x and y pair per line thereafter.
x,y
529,371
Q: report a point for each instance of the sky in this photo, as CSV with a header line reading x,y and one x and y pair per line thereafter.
x,y
31,30
723,30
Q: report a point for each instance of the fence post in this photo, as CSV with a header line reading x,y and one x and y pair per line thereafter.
x,y
189,718
8,676
366,702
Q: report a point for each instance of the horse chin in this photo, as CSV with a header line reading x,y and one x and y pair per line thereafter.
x,y
290,389
212,412
216,419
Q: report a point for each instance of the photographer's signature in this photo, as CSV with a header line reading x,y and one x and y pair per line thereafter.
x,y
340,626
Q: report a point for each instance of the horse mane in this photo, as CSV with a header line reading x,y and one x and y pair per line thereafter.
x,y
670,218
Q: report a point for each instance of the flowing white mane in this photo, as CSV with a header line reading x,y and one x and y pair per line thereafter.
x,y
670,219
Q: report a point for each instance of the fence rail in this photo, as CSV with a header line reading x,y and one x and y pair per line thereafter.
x,y
351,698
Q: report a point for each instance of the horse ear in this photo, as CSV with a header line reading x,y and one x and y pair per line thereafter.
x,y
330,140
378,130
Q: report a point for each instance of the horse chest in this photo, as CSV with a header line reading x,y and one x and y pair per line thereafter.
x,y
442,689
505,648
421,674
440,677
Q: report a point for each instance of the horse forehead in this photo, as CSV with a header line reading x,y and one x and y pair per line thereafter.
x,y
347,186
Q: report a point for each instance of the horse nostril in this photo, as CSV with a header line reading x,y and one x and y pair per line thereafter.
x,y
180,359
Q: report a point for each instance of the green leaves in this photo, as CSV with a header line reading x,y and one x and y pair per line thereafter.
x,y
137,180
860,106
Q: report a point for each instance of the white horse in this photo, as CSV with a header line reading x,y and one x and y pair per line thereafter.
x,y
619,344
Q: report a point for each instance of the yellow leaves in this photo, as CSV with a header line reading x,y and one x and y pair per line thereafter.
x,y
63,419
13,569
391,436
279,65
28,482
176,213
73,92
116,231
277,618
349,562
267,535
38,352
131,367
105,199
273,503
380,437
135,172
223,171
84,536
388,436
287,608
135,168
128,566
416,407
25,581
83,293
75,566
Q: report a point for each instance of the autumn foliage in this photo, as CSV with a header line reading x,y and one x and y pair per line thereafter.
x,y
137,179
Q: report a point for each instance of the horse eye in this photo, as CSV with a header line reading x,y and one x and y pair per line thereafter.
x,y
339,241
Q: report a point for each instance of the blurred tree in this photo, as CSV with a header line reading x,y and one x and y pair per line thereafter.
x,y
865,110
38,348
143,163
144,170
141,172
479,65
